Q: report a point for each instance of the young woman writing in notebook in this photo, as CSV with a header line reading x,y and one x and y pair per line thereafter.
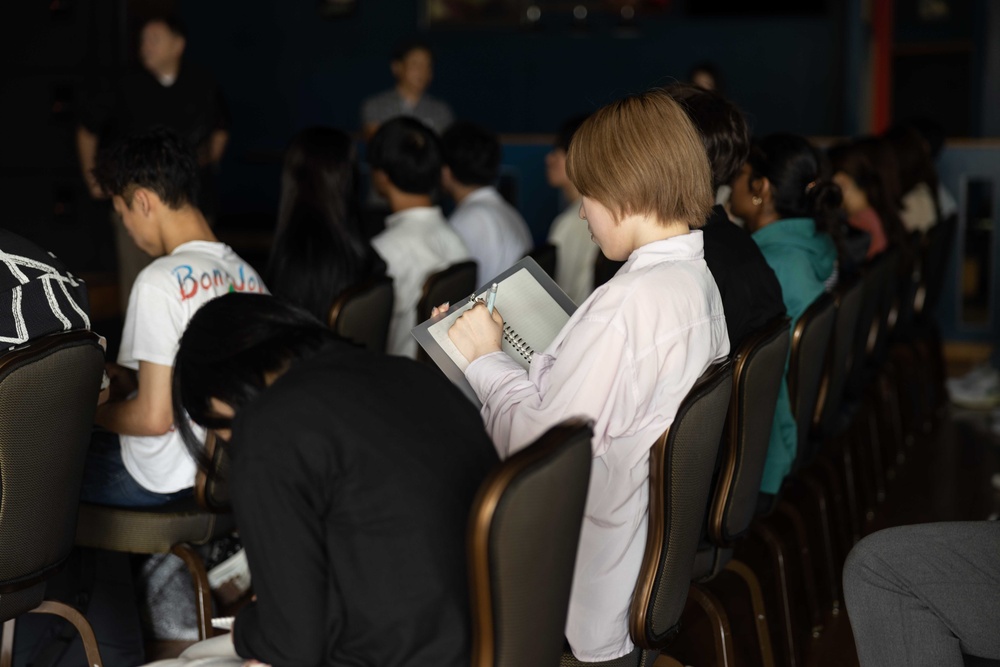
x,y
629,354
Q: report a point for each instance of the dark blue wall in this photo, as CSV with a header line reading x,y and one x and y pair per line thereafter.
x,y
283,67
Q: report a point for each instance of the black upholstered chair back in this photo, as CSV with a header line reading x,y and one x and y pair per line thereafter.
x,y
524,531
758,367
848,297
888,282
935,252
449,285
546,256
362,313
211,489
807,365
48,395
864,334
681,465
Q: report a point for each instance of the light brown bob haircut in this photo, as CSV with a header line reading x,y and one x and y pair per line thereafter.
x,y
641,155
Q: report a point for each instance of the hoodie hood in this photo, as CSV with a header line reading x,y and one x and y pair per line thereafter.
x,y
799,236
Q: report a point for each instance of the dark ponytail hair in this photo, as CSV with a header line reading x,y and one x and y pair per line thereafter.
x,y
799,175
229,347
319,248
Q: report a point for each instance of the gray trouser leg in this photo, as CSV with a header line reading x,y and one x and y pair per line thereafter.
x,y
925,594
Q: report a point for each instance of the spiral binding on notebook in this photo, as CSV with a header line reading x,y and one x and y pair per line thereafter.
x,y
518,343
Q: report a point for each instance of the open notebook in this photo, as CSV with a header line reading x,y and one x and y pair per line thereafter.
x,y
534,311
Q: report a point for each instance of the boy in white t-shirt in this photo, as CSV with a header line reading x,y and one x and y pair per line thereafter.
x,y
139,459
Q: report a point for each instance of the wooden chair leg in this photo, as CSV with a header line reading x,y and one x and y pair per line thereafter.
x,y
760,615
202,591
7,644
79,622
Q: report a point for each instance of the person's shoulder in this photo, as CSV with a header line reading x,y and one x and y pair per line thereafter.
x,y
379,101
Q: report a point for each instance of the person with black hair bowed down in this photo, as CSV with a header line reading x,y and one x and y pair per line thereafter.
x,y
354,525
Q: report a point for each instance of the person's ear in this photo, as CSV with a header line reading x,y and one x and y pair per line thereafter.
x,y
142,202
765,192
179,46
396,67
447,179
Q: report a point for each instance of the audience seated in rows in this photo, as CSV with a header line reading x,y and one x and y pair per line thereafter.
x,y
629,354
138,459
751,295
319,248
354,525
575,248
405,157
493,231
788,203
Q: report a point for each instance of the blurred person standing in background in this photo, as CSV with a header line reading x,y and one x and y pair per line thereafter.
x,y
166,91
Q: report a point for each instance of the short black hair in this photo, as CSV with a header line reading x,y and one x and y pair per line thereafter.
x,y
409,153
172,21
722,127
228,348
567,130
158,160
406,46
472,153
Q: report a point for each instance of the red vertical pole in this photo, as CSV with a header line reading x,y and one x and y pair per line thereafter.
x,y
882,39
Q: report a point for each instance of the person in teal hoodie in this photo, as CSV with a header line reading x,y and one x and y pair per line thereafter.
x,y
790,204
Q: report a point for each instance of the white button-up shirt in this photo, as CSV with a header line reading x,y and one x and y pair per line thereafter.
x,y
626,359
416,243
493,231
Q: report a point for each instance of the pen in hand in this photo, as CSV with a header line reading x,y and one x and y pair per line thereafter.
x,y
491,298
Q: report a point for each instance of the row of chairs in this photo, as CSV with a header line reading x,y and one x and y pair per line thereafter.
x,y
864,377
698,509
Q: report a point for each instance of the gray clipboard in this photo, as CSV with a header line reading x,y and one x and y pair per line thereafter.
x,y
535,307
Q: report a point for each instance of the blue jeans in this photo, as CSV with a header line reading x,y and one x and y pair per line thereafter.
x,y
107,482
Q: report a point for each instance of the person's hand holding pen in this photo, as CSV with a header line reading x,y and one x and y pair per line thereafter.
x,y
479,330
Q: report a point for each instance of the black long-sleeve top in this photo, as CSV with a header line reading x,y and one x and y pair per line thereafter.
x,y
751,294
351,480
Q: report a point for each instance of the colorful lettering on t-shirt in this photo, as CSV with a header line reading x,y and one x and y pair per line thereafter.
x,y
189,283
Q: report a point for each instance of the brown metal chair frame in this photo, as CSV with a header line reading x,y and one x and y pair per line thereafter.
x,y
482,584
648,639
211,498
345,298
641,622
37,350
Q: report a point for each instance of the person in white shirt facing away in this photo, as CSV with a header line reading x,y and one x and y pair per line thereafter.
x,y
493,231
576,251
405,157
628,355
139,458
